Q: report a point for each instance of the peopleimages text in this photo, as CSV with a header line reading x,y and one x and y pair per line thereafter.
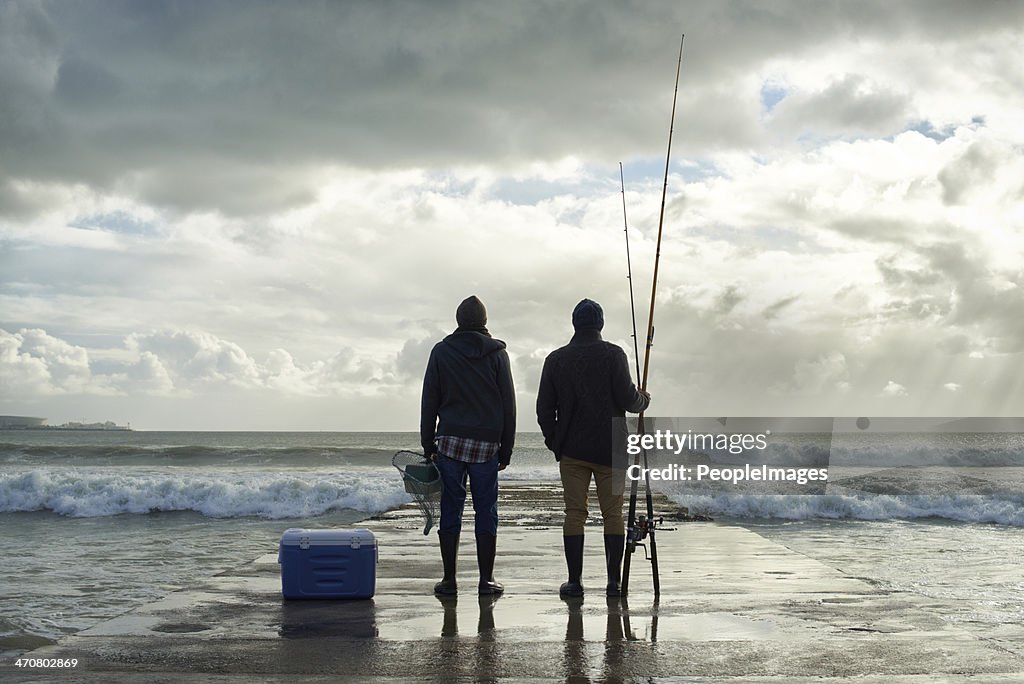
x,y
732,475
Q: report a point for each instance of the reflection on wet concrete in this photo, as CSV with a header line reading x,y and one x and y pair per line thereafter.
x,y
340,619
575,651
614,640
617,633
485,629
618,612
450,624
485,625
452,657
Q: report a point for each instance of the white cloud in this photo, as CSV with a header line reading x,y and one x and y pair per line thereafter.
x,y
199,357
34,363
825,375
893,389
298,221
22,373
284,375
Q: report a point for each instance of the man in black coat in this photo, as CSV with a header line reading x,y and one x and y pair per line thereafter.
x,y
583,386
468,426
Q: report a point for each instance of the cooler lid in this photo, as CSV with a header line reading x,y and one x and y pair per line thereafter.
x,y
302,537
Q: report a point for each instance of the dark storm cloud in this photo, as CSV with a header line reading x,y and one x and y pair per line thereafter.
x,y
412,358
727,300
975,167
963,291
875,229
29,54
894,275
773,310
848,106
226,106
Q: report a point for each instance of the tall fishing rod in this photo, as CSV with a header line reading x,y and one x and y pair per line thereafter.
x,y
629,272
661,221
636,530
645,527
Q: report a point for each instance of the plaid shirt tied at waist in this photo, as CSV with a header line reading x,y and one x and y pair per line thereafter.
x,y
465,449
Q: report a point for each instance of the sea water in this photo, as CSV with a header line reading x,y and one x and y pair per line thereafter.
x,y
97,523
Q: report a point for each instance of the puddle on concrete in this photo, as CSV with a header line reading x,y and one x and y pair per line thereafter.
x,y
547,621
180,628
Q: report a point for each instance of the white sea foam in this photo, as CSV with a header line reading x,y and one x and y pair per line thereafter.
x,y
526,472
1004,510
92,492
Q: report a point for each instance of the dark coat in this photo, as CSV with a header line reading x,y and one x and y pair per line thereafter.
x,y
583,386
468,392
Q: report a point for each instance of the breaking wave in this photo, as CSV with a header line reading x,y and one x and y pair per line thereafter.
x,y
101,492
193,455
911,452
976,508
965,494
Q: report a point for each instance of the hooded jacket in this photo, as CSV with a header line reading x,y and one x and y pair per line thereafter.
x,y
468,392
583,386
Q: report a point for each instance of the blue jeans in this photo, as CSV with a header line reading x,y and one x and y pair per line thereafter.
x,y
483,481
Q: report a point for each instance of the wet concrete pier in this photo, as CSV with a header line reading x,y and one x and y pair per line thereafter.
x,y
733,605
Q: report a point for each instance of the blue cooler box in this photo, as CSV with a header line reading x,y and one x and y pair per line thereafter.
x,y
323,564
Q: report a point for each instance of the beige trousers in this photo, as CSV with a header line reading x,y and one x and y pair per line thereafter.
x,y
611,483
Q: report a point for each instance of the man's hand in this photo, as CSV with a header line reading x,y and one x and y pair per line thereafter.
x,y
502,466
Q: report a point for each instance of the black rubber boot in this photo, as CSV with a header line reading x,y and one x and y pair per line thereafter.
x,y
574,562
486,547
613,548
449,554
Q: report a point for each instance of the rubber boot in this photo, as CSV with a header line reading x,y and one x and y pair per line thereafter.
x,y
449,554
613,548
574,562
486,547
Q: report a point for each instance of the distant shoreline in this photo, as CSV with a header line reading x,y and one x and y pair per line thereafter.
x,y
59,428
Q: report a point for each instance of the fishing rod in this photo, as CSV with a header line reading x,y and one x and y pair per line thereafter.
x,y
638,529
629,271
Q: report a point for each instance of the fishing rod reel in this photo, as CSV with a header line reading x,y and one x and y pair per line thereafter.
x,y
638,532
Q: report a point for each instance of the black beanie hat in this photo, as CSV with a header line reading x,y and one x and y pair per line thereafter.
x,y
471,313
588,315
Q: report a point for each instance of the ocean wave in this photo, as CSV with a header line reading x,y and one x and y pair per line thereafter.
x,y
923,453
1007,509
916,452
135,454
273,495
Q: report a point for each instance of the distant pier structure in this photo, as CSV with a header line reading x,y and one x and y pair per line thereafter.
x,y
32,423
21,422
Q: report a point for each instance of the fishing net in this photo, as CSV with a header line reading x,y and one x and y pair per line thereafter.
x,y
423,481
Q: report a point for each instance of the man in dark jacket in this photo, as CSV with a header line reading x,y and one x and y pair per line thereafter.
x,y
582,387
468,426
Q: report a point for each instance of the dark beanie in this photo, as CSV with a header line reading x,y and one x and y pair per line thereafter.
x,y
588,315
471,313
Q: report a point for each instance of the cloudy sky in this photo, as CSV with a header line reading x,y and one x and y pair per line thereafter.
x,y
224,215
